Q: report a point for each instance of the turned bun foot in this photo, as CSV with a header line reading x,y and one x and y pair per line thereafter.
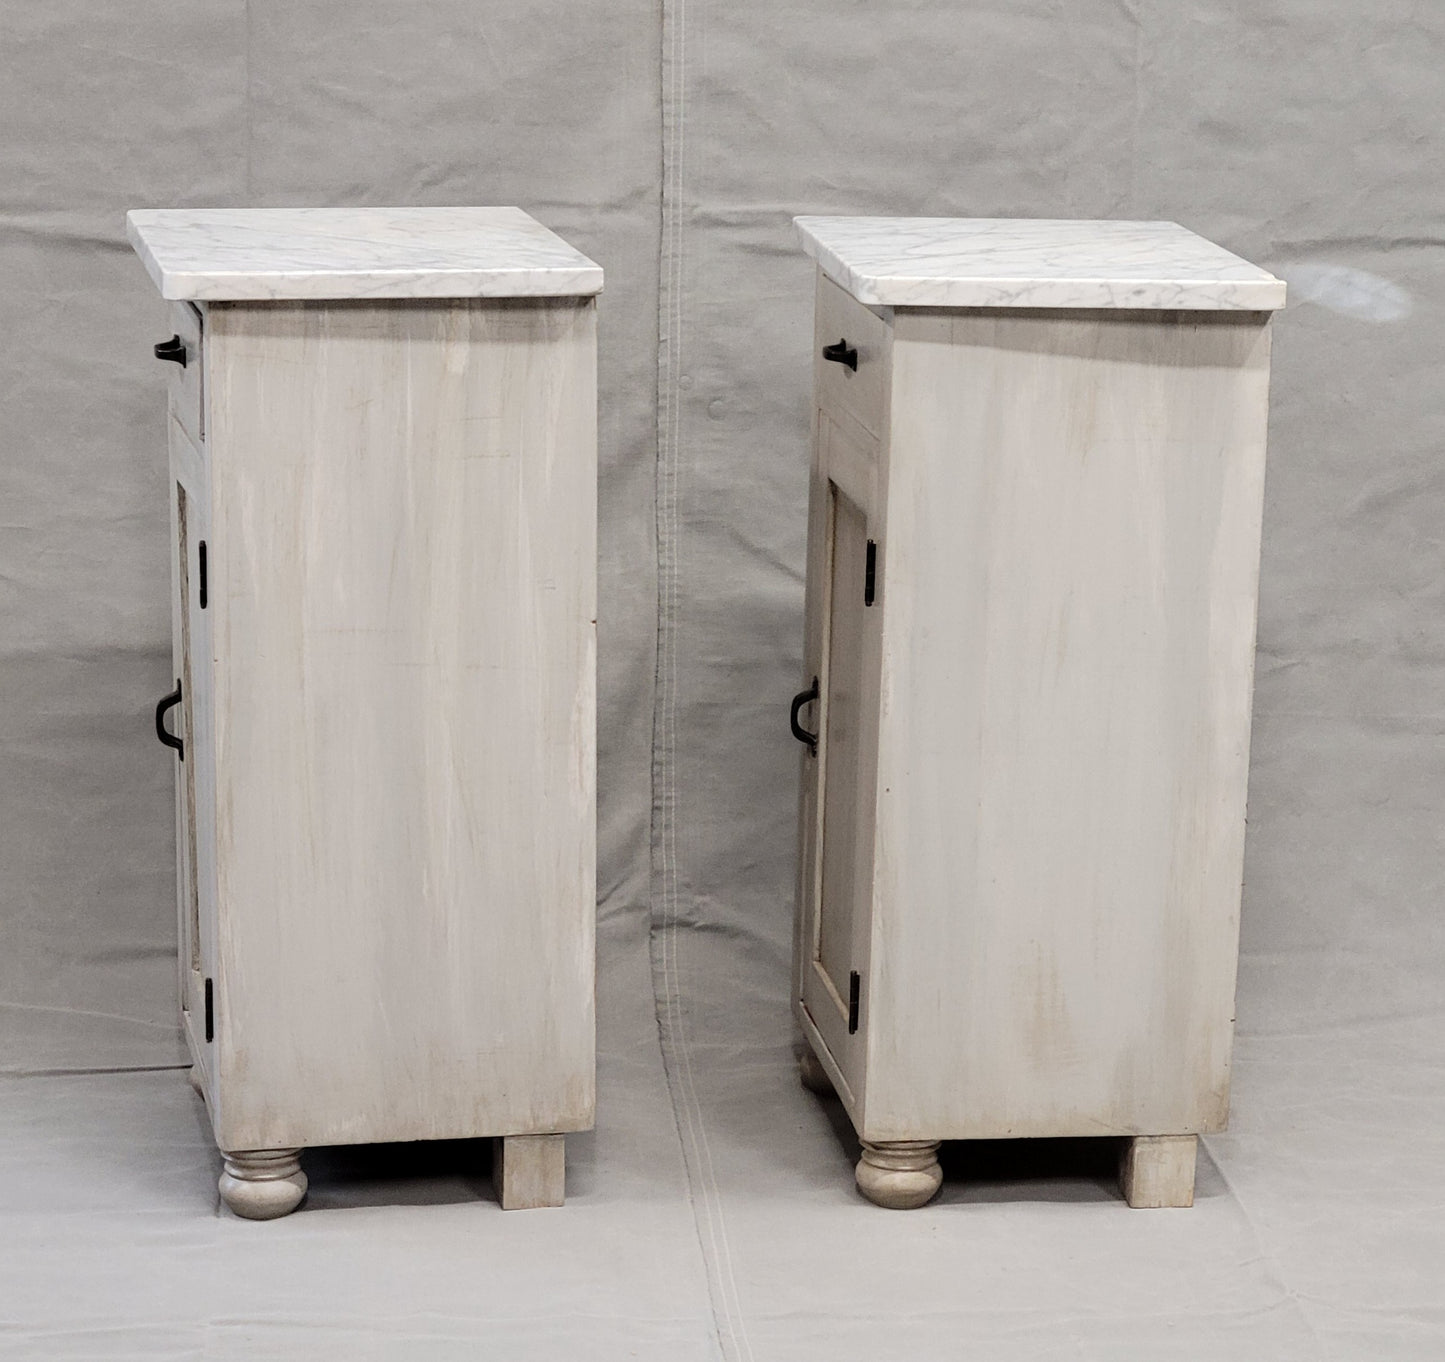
x,y
900,1174
812,1074
262,1184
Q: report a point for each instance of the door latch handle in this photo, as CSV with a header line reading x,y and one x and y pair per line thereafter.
x,y
173,350
165,703
804,697
841,353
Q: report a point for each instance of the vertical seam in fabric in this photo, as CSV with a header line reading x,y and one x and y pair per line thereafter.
x,y
666,925
250,109
1134,9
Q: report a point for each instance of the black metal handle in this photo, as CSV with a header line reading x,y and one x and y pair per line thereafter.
x,y
169,702
804,697
175,351
842,353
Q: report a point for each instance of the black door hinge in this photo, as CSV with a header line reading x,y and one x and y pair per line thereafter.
x,y
210,1013
870,574
202,555
854,986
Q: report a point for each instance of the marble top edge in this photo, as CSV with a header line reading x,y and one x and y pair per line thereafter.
x,y
1034,262
246,254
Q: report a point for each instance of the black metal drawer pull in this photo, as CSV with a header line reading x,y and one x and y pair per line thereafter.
x,y
169,702
842,353
173,350
804,697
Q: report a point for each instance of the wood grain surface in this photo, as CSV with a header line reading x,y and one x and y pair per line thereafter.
x,y
403,592
1073,523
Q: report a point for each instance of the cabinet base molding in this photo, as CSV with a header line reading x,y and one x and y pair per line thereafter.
x,y
262,1184
1158,1170
900,1174
529,1171
812,1074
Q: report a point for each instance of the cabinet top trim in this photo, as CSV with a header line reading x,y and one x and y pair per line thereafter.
x,y
254,254
1035,263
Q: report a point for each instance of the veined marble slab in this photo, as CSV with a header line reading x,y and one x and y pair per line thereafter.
x,y
249,254
1033,262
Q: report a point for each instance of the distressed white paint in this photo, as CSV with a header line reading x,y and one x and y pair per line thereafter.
x,y
391,721
837,780
186,400
404,598
862,392
1067,519
236,254
1033,262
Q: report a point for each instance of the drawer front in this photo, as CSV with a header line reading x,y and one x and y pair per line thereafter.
x,y
187,382
861,393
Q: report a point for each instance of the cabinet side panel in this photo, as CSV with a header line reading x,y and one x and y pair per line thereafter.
x,y
404,587
1074,521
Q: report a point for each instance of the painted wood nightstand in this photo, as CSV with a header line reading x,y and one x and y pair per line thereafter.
x,y
383,500
1033,558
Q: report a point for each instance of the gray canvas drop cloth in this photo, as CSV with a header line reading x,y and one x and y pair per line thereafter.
x,y
711,1213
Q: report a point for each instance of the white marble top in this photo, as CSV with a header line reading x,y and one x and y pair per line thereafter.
x,y
1033,262
236,254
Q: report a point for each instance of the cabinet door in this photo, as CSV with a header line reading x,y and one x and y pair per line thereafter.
x,y
190,722
846,606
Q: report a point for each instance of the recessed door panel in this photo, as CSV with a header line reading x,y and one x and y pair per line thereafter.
x,y
843,718
186,554
191,722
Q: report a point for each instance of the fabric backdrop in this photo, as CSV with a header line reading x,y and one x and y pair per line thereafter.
x,y
673,143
